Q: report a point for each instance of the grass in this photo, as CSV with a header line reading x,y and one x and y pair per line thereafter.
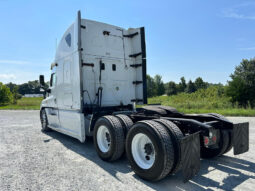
x,y
211,100
195,107
26,103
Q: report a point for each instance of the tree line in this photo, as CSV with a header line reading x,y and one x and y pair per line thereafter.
x,y
10,93
156,87
240,89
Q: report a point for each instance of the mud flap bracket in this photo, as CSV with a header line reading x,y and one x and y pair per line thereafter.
x,y
240,138
190,156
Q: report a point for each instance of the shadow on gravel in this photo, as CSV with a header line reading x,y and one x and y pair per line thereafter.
x,y
230,165
233,167
88,151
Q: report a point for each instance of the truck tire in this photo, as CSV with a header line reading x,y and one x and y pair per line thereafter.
x,y
176,136
230,144
109,138
149,150
214,152
126,122
44,121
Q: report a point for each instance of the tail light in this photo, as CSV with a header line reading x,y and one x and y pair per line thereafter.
x,y
206,141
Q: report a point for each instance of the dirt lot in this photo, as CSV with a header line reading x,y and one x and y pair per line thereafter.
x,y
32,160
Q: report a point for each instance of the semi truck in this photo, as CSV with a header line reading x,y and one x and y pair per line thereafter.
x,y
97,79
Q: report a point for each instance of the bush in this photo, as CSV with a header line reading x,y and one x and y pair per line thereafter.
x,y
6,96
210,98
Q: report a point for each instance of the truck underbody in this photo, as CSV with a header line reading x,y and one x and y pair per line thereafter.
x,y
98,76
189,137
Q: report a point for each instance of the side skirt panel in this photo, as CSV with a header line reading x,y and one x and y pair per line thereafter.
x,y
72,124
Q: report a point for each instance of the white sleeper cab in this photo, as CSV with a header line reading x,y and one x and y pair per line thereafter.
x,y
97,78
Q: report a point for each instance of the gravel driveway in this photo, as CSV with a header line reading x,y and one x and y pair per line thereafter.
x,y
32,160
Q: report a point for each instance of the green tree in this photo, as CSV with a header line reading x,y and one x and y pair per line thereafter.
x,y
16,94
200,84
6,96
14,89
190,87
11,86
160,89
171,88
32,87
182,85
151,87
241,88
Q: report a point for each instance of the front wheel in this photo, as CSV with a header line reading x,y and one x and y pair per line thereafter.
x,y
44,121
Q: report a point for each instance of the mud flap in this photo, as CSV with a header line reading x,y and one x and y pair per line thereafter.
x,y
241,138
190,156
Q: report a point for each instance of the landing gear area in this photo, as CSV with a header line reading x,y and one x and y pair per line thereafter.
x,y
159,141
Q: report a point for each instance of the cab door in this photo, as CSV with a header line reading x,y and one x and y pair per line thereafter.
x,y
52,110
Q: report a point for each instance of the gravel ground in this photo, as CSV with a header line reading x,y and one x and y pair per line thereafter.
x,y
32,160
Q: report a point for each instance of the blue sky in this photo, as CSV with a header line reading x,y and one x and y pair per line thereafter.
x,y
190,38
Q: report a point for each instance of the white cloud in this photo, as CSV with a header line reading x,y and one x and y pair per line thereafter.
x,y
18,62
7,77
19,77
235,12
232,14
248,48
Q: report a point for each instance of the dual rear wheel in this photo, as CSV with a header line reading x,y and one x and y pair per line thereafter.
x,y
152,146
109,136
150,150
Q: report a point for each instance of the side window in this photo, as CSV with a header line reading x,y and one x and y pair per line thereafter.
x,y
68,39
53,80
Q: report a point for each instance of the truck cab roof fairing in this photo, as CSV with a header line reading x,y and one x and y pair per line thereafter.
x,y
67,43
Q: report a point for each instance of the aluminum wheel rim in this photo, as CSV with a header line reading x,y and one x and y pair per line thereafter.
x,y
103,138
142,158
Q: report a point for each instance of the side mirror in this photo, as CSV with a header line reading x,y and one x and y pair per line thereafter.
x,y
41,80
48,91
